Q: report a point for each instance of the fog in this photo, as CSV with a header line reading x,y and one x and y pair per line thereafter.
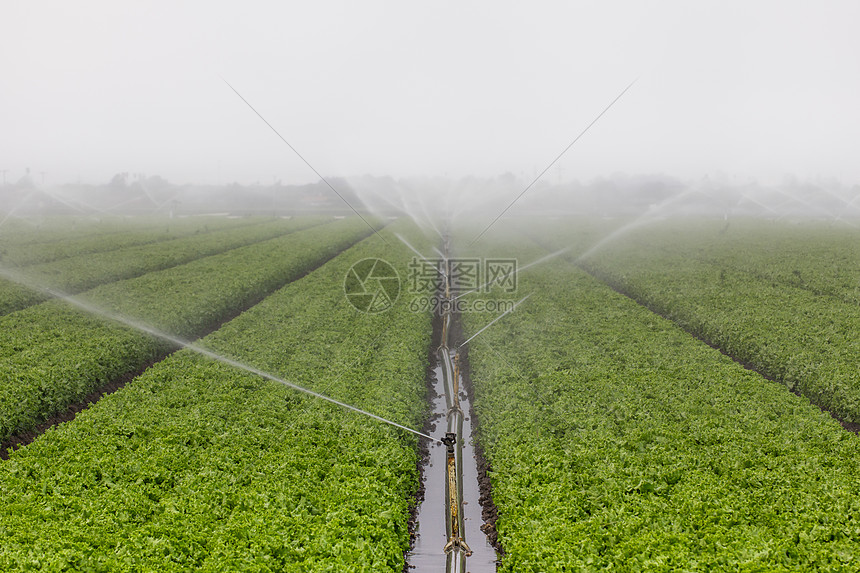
x,y
733,96
435,202
130,132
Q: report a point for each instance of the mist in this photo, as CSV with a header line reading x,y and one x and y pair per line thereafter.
x,y
433,202
750,94
625,232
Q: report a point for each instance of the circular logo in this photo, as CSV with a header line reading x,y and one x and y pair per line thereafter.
x,y
372,285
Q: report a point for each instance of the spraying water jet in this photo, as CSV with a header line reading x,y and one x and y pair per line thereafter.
x,y
185,344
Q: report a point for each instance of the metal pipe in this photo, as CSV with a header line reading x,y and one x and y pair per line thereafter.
x,y
456,549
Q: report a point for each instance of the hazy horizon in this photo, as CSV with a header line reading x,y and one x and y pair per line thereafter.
x,y
740,91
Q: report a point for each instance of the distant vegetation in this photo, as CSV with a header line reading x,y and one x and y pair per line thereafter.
x,y
613,196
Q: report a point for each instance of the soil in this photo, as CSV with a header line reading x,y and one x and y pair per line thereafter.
x,y
428,428
489,512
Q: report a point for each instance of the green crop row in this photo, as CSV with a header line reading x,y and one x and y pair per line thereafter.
x,y
789,333
821,258
197,465
49,244
36,230
79,273
53,354
618,442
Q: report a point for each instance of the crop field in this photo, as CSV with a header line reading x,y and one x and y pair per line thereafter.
x,y
681,398
52,354
75,272
783,299
619,441
197,466
52,239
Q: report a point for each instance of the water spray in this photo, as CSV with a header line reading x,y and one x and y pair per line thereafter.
x,y
554,161
517,271
456,549
495,320
185,344
640,220
16,207
306,162
423,258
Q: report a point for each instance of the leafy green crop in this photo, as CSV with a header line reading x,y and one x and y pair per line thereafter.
x,y
619,442
198,466
50,232
78,273
757,296
52,355
58,239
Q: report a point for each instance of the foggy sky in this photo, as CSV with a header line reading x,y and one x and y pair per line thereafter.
x,y
737,89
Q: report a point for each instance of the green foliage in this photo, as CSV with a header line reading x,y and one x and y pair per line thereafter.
x,y
618,442
782,298
59,237
74,274
198,466
29,232
52,354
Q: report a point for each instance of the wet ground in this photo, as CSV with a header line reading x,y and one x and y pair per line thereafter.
x,y
427,554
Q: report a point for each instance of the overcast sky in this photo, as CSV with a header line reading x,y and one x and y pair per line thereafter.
x,y
744,89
